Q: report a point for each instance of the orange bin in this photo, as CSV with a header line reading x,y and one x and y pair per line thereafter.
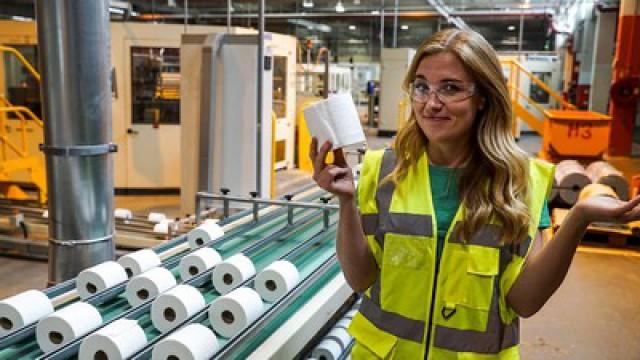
x,y
575,133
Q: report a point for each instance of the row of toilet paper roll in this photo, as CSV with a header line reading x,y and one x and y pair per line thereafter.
x,y
337,341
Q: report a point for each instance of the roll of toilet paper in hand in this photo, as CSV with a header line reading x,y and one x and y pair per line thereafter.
x,y
116,341
206,232
231,313
140,261
192,342
328,349
276,280
156,217
335,119
23,309
148,285
198,262
340,335
230,273
99,278
174,306
66,324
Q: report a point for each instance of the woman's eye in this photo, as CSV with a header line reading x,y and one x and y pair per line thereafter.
x,y
422,87
451,88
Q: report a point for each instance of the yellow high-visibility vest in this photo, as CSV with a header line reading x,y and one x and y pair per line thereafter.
x,y
470,318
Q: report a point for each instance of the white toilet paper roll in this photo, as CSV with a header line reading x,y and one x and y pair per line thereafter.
x,y
340,335
232,272
328,349
156,217
344,323
192,342
99,278
197,262
23,309
162,227
174,306
45,214
207,231
66,324
350,314
140,261
116,341
276,280
231,313
124,214
148,285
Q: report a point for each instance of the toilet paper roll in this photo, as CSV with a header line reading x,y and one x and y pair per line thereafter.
x,y
156,217
197,262
350,314
124,214
276,280
148,285
140,261
174,306
66,324
328,349
231,313
23,309
340,335
162,227
99,278
192,342
230,273
206,232
45,214
116,341
343,323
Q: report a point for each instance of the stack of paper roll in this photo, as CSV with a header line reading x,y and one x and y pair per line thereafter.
x,y
198,262
117,341
140,261
192,342
174,306
148,285
230,273
602,172
231,313
99,278
571,178
276,280
203,234
66,325
23,309
592,190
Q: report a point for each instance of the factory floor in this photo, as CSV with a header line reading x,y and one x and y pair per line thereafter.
x,y
592,316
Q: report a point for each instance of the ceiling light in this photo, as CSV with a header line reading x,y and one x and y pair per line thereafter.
x,y
375,12
352,27
356,2
404,27
511,27
339,7
307,4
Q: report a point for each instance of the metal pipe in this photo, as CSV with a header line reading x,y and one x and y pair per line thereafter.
x,y
300,204
260,101
228,16
186,15
76,92
326,73
395,25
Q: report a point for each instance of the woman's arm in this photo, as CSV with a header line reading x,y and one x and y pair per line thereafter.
x,y
547,266
357,261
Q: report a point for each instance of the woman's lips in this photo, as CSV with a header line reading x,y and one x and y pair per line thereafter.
x,y
436,118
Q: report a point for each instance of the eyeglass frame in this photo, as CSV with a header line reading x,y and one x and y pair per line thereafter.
x,y
471,91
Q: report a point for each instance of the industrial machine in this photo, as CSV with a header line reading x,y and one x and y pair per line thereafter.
x,y
299,229
394,107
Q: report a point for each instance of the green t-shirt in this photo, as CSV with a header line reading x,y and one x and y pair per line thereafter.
x,y
446,200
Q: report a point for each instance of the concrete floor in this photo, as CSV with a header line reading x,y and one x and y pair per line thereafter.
x,y
595,315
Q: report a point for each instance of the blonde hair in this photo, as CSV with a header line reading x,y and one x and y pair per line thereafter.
x,y
494,183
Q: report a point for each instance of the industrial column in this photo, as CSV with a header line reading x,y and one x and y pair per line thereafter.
x,y
625,89
604,45
73,39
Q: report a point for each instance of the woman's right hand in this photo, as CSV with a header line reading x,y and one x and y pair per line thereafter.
x,y
336,178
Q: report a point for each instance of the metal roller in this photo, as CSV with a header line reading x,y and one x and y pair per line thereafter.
x,y
604,173
570,178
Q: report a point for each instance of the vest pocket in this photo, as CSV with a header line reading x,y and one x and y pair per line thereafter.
x,y
371,342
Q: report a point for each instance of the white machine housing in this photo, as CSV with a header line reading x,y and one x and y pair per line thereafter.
x,y
393,69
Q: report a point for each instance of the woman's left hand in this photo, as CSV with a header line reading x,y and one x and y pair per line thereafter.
x,y
608,209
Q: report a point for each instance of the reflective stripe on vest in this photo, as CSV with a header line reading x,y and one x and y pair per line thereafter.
x,y
390,322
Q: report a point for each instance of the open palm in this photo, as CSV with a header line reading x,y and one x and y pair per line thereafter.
x,y
608,209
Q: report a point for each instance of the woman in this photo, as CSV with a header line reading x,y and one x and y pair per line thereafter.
x,y
444,238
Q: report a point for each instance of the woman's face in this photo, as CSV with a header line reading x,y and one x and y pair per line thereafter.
x,y
446,104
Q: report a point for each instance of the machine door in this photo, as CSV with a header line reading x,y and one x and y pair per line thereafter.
x,y
153,132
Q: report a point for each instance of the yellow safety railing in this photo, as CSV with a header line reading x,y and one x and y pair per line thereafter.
x,y
24,61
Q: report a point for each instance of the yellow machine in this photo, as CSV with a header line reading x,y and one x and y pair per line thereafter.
x,y
21,163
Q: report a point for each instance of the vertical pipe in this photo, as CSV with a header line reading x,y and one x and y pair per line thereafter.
x,y
228,16
260,101
73,39
186,15
520,32
381,26
395,24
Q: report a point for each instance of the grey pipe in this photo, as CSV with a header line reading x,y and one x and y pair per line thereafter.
x,y
260,100
73,39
